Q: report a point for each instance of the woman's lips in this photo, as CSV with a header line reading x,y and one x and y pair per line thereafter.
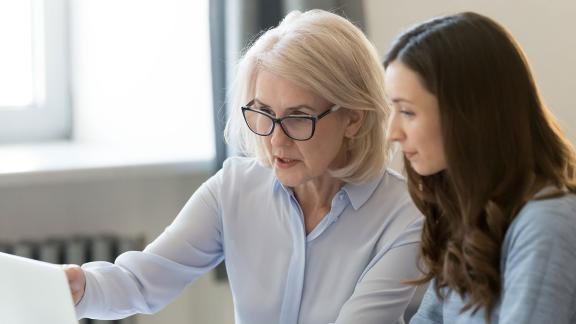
x,y
409,155
284,163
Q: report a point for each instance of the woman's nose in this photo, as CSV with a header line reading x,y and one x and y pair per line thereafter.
x,y
279,137
394,132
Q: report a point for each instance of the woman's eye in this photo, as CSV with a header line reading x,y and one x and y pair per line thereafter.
x,y
406,112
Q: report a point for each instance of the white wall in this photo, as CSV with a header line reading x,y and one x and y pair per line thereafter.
x,y
123,201
544,28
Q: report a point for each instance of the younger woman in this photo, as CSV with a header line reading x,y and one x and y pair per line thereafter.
x,y
491,171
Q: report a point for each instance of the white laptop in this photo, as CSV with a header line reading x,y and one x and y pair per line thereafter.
x,y
33,292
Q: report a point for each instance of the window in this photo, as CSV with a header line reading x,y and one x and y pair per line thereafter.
x,y
142,75
139,69
34,101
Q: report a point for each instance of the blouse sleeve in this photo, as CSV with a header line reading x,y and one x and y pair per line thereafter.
x,y
381,297
144,282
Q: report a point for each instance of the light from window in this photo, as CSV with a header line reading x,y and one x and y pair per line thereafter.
x,y
34,71
142,74
16,60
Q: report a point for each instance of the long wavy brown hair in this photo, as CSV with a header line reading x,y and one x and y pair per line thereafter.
x,y
501,144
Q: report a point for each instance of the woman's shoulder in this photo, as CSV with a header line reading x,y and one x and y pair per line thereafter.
x,y
545,219
239,171
391,197
244,166
557,211
393,186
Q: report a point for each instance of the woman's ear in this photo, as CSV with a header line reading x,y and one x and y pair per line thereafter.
x,y
355,120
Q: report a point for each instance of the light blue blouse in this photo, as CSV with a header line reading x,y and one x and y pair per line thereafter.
x,y
538,265
347,270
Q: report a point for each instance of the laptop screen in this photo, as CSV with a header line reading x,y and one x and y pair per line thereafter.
x,y
34,292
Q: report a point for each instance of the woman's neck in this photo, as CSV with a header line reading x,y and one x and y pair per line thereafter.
x,y
315,199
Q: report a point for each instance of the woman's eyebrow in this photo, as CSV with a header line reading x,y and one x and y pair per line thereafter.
x,y
289,109
299,107
401,100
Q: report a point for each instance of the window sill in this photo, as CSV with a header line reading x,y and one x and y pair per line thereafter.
x,y
70,161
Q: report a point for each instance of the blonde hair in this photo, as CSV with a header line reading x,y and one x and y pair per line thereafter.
x,y
326,54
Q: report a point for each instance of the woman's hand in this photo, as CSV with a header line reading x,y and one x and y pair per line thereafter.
x,y
76,281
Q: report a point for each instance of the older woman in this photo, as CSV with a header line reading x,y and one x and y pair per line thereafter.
x,y
312,226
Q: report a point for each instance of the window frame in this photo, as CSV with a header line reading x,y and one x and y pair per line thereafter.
x,y
49,116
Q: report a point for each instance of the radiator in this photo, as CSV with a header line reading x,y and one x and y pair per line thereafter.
x,y
77,250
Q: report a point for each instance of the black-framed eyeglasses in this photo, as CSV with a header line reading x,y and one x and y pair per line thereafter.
x,y
297,127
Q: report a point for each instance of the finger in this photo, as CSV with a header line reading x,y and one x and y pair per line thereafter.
x,y
74,276
71,272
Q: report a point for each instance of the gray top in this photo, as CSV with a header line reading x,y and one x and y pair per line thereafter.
x,y
538,266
